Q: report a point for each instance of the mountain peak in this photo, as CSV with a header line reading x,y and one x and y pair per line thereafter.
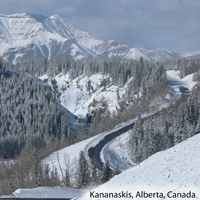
x,y
55,16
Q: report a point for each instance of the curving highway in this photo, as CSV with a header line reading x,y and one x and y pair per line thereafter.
x,y
94,152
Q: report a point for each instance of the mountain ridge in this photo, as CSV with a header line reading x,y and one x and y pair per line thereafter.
x,y
25,36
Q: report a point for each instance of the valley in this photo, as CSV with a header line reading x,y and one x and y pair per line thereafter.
x,y
82,115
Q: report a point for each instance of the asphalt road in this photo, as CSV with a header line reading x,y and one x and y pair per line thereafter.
x,y
94,152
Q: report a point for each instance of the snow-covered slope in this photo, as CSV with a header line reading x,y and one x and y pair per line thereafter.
x,y
176,169
79,98
179,85
25,36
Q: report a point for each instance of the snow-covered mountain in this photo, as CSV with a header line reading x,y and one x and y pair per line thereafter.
x,y
159,54
25,36
190,54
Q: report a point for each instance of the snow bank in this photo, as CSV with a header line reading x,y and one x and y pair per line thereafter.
x,y
48,192
117,152
173,77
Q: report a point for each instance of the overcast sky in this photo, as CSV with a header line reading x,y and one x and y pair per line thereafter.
x,y
170,24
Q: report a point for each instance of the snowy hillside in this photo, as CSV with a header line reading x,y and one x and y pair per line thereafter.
x,y
77,98
24,36
176,169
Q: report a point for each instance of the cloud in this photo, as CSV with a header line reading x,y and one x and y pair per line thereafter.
x,y
172,24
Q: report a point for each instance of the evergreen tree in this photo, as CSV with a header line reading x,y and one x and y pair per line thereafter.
x,y
83,171
67,178
106,172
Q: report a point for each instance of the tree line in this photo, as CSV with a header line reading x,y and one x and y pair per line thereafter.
x,y
27,171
